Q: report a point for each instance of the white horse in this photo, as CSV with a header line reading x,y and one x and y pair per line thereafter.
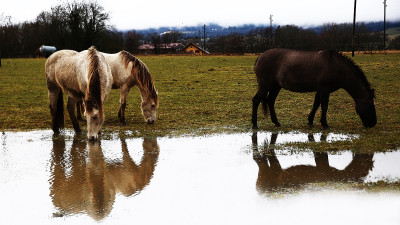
x,y
84,75
128,71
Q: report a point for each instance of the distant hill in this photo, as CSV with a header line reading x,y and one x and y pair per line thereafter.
x,y
215,30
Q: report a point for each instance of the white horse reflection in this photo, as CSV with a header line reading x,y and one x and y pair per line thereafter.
x,y
82,181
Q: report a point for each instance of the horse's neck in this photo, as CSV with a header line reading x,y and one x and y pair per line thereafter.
x,y
357,89
143,92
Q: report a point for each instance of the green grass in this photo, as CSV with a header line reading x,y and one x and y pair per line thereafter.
x,y
212,94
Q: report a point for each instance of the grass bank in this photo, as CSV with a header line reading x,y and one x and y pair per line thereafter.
x,y
212,94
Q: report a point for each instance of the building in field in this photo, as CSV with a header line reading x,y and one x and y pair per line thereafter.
x,y
195,50
170,48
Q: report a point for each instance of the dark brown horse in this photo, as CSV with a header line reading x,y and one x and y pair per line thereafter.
x,y
273,178
323,72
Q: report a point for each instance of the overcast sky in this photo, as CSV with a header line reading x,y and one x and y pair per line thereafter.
x,y
140,14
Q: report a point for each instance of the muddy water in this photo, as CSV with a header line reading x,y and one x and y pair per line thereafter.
x,y
221,179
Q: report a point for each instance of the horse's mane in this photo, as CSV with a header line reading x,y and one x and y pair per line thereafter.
x,y
141,73
93,92
359,73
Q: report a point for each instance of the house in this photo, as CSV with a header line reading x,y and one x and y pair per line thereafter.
x,y
195,50
169,48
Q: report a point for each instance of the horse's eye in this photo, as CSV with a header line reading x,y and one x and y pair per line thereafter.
x,y
95,117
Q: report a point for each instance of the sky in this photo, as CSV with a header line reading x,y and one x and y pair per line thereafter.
x,y
142,14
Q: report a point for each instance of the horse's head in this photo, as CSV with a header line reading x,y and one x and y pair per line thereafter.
x,y
365,108
149,108
94,118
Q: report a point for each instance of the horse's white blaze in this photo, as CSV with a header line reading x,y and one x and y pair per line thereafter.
x,y
94,121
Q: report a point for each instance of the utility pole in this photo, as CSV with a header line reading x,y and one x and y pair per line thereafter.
x,y
354,27
270,26
384,24
204,37
199,38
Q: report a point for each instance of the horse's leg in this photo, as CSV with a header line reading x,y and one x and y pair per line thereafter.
x,y
324,107
71,111
79,108
271,105
271,156
56,108
121,113
321,160
317,102
256,102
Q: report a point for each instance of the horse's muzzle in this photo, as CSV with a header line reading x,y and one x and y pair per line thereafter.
x,y
150,121
93,138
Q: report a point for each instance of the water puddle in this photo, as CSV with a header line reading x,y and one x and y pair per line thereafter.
x,y
219,179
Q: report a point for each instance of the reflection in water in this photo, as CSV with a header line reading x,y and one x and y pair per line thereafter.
x,y
82,181
272,178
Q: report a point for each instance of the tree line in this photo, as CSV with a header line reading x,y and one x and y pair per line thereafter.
x,y
78,25
331,36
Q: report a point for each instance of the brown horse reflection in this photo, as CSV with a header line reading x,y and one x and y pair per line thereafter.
x,y
82,181
271,176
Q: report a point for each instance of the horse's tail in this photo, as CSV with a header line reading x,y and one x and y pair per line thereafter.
x,y
58,122
263,98
255,63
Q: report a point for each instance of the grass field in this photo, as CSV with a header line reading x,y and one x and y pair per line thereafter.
x,y
212,94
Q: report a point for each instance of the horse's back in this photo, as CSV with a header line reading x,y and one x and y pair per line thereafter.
x,y
58,65
119,70
298,71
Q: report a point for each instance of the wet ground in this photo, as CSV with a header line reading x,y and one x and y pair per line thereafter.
x,y
219,179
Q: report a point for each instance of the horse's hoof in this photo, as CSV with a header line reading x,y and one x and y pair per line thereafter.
x,y
278,125
123,123
327,128
311,125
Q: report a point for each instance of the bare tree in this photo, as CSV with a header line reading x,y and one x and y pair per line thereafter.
x,y
132,41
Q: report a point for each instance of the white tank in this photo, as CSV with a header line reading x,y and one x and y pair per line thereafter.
x,y
47,49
